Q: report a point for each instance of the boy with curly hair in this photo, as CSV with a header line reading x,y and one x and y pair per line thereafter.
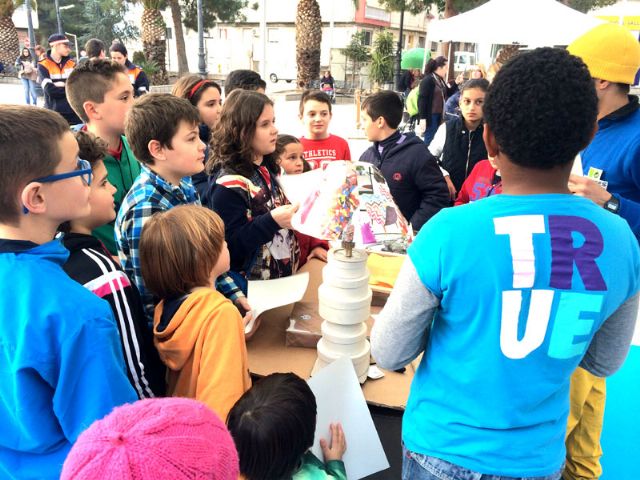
x,y
506,296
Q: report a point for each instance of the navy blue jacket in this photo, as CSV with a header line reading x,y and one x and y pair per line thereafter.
x,y
415,181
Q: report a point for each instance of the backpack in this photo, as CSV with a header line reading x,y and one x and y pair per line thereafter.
x,y
412,102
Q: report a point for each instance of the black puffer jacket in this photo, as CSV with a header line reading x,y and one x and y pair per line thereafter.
x,y
462,150
415,181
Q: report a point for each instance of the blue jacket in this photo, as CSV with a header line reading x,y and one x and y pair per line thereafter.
x,y
615,153
61,364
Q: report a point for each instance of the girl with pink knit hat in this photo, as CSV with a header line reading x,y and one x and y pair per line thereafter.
x,y
159,438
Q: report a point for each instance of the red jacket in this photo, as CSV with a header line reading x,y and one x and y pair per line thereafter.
x,y
307,244
483,181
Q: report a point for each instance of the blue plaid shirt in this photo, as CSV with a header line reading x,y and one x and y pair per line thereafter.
x,y
149,194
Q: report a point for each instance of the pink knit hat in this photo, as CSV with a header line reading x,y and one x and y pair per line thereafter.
x,y
160,438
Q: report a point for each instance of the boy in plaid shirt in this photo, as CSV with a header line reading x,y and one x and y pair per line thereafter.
x,y
163,133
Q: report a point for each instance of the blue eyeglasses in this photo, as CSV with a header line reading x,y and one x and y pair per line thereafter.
x,y
83,171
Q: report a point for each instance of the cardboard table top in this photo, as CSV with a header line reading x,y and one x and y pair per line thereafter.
x,y
268,353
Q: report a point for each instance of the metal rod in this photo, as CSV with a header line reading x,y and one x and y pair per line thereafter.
x,y
202,64
59,18
32,36
399,52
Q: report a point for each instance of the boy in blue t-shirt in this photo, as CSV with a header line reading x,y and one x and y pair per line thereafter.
x,y
61,364
508,295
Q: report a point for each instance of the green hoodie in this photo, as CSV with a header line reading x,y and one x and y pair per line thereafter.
x,y
314,469
121,174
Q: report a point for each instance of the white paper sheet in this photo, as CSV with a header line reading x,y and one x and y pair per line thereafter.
x,y
265,295
298,187
576,168
340,399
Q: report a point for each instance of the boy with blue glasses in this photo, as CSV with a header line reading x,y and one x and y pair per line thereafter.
x,y
61,364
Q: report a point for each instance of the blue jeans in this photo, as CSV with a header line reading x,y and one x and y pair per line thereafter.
x,y
416,466
29,90
431,130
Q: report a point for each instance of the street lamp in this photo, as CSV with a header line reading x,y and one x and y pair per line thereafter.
x,y
399,51
58,17
32,37
202,65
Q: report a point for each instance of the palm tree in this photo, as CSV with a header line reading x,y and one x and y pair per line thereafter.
x,y
9,45
176,15
153,35
308,40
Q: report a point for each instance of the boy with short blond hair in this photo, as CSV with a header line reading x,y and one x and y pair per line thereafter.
x,y
101,94
62,365
320,146
163,133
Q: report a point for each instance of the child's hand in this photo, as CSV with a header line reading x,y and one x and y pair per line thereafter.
x,y
319,253
242,304
283,214
451,187
588,188
335,450
421,127
245,321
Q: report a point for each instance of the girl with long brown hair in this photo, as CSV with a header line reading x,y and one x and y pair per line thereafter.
x,y
246,193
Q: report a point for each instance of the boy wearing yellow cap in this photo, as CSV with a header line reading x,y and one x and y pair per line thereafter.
x,y
611,167
612,55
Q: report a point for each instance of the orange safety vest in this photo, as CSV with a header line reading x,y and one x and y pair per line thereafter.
x,y
133,74
57,72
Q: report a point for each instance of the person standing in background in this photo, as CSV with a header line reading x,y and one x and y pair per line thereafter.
x,y
137,77
54,69
28,73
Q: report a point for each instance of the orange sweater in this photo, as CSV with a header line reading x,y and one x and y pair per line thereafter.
x,y
203,347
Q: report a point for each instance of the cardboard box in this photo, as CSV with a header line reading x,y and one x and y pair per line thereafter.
x,y
268,352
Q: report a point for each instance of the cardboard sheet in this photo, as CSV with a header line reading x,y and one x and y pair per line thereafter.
x,y
268,353
340,399
265,295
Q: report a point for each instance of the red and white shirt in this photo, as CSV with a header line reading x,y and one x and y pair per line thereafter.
x,y
320,152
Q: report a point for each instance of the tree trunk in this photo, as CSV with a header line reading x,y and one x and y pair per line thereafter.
x,y
176,15
9,45
353,73
308,40
449,11
153,43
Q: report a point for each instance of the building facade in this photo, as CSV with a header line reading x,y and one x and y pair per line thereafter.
x,y
265,41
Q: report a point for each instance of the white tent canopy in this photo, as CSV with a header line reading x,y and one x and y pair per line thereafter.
x,y
534,23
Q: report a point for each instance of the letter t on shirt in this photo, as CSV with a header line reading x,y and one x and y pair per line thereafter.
x,y
320,152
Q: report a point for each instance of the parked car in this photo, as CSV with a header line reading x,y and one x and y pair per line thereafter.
x,y
286,74
463,61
